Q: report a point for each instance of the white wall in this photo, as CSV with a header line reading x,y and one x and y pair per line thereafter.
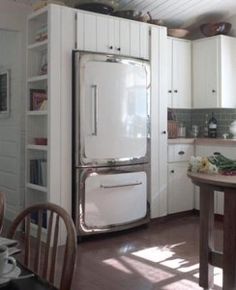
x,y
12,56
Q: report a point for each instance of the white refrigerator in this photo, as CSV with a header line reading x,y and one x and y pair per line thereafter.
x,y
111,142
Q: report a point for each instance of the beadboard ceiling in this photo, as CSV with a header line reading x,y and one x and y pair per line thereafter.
x,y
174,13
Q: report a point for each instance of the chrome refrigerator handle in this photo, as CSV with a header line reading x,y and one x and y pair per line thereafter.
x,y
95,110
120,185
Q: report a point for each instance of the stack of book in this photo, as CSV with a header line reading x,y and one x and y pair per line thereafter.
x,y
38,172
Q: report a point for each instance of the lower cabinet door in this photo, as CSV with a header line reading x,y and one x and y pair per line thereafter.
x,y
180,188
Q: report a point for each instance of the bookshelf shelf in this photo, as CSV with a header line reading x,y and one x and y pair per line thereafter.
x,y
37,187
38,78
37,147
37,113
41,45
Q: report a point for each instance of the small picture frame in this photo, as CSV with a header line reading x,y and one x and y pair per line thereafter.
x,y
4,93
38,99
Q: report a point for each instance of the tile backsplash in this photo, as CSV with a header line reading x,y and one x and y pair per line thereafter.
x,y
191,117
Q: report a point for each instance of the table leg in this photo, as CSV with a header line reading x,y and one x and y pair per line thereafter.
x,y
206,279
229,248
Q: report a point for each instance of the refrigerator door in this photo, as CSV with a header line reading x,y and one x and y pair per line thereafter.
x,y
110,199
112,101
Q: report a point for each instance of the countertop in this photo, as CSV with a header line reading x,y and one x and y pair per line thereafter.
x,y
203,141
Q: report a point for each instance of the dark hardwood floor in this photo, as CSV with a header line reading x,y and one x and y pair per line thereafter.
x,y
161,256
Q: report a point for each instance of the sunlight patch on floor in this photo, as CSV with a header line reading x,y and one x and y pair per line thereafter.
x,y
218,276
189,268
117,265
155,254
149,272
174,263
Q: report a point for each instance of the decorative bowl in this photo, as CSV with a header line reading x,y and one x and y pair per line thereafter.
x,y
177,32
211,29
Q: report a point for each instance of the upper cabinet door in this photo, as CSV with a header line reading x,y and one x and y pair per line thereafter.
x,y
86,31
103,29
181,89
124,37
205,73
107,34
169,71
134,39
144,40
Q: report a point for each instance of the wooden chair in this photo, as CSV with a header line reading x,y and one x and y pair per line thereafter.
x,y
41,256
2,209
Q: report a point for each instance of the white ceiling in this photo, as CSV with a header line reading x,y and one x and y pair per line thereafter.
x,y
175,13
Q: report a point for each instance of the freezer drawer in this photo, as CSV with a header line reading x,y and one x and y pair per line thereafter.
x,y
109,200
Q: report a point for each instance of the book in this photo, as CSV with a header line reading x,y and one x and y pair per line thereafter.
x,y
37,97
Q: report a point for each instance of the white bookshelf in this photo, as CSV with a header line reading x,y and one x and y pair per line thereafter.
x,y
37,109
50,119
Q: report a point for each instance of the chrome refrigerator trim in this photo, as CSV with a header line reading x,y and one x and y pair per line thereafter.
x,y
78,214
80,159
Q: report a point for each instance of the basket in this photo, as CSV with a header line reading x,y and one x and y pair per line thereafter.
x,y
172,129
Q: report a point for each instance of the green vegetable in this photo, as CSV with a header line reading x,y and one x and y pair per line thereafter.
x,y
223,163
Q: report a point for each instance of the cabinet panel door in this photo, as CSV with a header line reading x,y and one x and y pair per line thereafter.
x,y
144,41
180,188
169,71
103,26
181,74
205,74
116,35
80,30
124,37
134,39
212,61
90,32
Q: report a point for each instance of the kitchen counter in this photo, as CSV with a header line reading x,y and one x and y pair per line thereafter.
x,y
203,141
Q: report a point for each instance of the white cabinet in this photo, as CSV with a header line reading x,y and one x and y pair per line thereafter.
x,y
107,34
179,73
180,188
214,68
208,150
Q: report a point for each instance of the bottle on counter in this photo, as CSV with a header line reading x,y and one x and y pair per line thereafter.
x,y
205,129
212,127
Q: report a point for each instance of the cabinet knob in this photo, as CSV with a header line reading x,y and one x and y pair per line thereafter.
x,y
111,47
118,48
164,132
175,91
172,171
213,91
181,152
170,91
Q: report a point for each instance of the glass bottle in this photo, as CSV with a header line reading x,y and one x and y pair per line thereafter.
x,y
205,129
212,127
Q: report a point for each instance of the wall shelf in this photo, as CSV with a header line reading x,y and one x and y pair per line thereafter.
x,y
37,187
41,45
38,78
37,147
37,113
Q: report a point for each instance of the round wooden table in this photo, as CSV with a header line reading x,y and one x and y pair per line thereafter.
x,y
208,256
